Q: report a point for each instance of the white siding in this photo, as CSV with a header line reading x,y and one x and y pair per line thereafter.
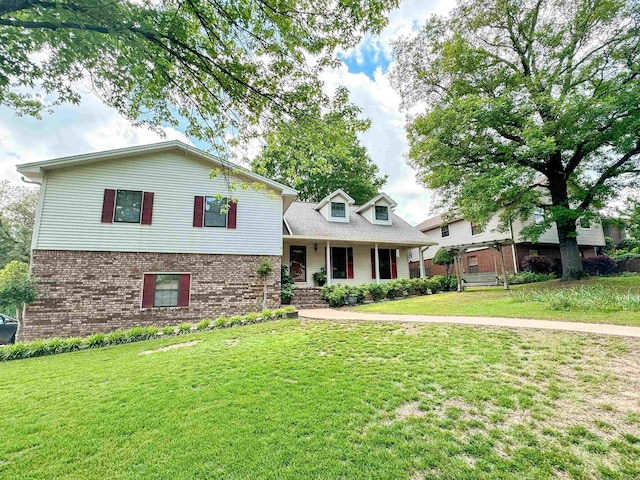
x,y
72,207
593,236
361,263
326,209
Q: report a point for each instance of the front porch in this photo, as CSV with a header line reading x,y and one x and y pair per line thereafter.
x,y
345,262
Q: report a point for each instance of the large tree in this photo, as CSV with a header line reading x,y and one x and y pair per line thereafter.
x,y
321,152
218,64
526,104
17,216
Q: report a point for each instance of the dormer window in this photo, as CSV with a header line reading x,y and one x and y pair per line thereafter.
x,y
382,212
338,210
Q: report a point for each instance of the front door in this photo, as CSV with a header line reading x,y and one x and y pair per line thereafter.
x,y
298,263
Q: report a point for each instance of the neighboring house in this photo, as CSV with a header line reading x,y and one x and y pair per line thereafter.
x,y
137,236
457,231
355,244
614,228
144,236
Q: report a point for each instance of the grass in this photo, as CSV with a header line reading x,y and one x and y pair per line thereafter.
x,y
328,400
496,302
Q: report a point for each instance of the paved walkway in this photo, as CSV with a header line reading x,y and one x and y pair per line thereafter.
x,y
597,328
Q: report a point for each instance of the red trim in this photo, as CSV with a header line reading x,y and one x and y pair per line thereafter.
x,y
148,290
373,263
394,263
108,204
198,211
183,290
232,214
147,208
349,262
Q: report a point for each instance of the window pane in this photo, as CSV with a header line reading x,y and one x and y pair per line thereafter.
x,y
444,230
382,213
212,215
166,294
128,206
338,209
384,255
339,262
476,229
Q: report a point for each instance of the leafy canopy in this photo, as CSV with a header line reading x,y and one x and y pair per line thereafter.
x,y
517,92
16,287
219,64
17,216
321,153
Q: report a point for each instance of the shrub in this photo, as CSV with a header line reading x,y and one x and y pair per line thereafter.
x,y
443,283
169,330
280,313
137,334
203,324
600,265
235,320
220,321
251,318
267,315
97,340
337,296
377,291
184,327
444,257
396,288
359,291
116,337
38,348
289,309
537,264
287,284
529,277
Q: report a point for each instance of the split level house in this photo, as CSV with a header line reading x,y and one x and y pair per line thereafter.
x,y
487,246
147,236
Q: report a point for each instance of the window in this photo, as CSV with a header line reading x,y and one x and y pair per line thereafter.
x,y
444,230
338,210
382,212
476,229
585,224
341,262
538,215
215,214
166,292
128,206
388,263
472,262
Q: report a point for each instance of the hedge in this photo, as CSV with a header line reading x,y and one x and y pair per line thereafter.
x,y
39,348
336,295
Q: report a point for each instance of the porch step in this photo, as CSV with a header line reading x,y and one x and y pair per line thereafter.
x,y
308,298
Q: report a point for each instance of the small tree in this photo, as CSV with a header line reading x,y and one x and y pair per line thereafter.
x,y
16,289
444,257
264,270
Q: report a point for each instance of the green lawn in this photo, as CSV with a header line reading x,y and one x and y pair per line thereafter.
x,y
326,400
496,302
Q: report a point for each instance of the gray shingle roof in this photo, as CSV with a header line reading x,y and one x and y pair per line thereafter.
x,y
305,221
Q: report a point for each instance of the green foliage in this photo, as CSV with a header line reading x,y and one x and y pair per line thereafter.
x,y
203,324
444,257
265,268
336,295
627,250
520,94
17,216
136,334
321,153
184,327
378,291
213,65
320,277
443,283
590,298
600,265
16,288
287,284
529,277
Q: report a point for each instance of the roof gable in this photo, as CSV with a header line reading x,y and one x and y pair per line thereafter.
x,y
332,195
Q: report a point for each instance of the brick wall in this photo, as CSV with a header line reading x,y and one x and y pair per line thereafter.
x,y
488,262
308,297
87,292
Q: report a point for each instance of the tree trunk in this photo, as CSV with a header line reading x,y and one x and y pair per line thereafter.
x,y
19,309
572,268
264,295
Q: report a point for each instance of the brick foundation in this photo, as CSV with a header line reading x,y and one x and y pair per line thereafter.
x,y
86,292
308,297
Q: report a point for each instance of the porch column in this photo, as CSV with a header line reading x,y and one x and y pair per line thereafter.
x,y
377,265
329,269
515,258
421,258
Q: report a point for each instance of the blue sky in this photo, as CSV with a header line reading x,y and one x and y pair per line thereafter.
x,y
91,126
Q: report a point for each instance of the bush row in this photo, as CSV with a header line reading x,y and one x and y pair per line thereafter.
x,y
529,277
336,295
39,348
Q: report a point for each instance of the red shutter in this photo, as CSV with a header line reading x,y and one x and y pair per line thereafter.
x,y
198,211
108,204
183,290
147,208
350,262
394,263
373,263
232,214
148,290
